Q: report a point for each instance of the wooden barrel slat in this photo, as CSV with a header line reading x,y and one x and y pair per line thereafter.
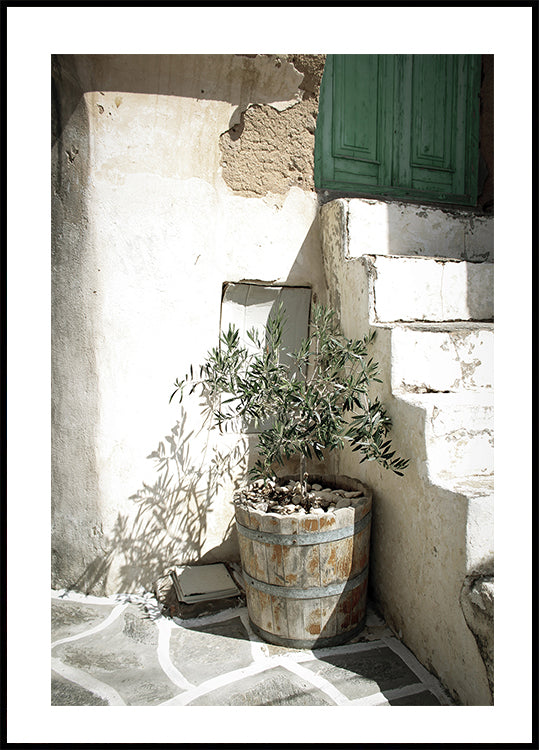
x,y
307,595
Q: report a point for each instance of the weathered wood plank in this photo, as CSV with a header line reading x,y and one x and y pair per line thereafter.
x,y
295,568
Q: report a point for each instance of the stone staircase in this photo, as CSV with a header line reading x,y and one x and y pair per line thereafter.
x,y
434,321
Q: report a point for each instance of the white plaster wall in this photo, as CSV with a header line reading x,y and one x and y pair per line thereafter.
x,y
163,233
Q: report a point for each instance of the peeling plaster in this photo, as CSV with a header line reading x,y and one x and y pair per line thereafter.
x,y
269,148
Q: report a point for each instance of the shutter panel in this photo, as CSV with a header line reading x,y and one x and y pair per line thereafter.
x,y
436,131
354,126
362,111
400,126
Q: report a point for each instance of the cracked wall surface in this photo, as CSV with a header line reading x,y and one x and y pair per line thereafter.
x,y
270,151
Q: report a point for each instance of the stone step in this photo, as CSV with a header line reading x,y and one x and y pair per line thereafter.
x,y
392,228
408,289
459,434
427,357
479,494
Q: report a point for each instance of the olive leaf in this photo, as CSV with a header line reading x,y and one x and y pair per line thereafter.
x,y
314,400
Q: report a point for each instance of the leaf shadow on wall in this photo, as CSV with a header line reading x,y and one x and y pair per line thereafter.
x,y
171,517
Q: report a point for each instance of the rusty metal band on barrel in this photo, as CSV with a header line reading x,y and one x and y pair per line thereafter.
x,y
313,537
315,592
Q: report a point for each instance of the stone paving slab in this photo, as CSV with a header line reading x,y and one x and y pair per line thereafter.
x,y
124,651
358,674
201,653
67,693
122,656
274,687
69,618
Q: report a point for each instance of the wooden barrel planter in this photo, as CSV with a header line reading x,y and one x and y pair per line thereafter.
x,y
306,575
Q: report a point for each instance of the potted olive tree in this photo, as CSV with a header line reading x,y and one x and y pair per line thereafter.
x,y
304,540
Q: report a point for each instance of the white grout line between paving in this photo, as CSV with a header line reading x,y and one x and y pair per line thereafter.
x,y
429,681
346,648
217,682
261,660
383,698
86,681
326,687
163,655
116,612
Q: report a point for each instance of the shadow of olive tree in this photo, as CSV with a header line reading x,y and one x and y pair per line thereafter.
x,y
170,519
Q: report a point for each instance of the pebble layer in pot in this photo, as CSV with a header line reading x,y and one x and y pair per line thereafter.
x,y
304,541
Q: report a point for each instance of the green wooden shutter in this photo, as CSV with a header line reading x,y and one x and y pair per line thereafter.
x,y
401,126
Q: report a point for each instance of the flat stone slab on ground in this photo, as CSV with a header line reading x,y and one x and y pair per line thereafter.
x,y
70,618
201,653
123,657
364,672
274,687
123,651
67,693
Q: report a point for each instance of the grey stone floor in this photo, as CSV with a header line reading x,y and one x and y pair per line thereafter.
x,y
123,651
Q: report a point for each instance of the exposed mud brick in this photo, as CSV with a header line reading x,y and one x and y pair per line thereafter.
x,y
270,151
